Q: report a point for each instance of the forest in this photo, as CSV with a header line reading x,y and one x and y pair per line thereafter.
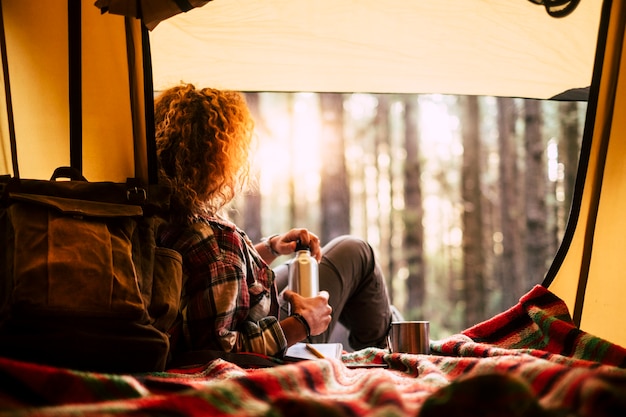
x,y
464,199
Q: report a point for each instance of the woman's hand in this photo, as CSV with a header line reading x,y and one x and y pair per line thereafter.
x,y
286,243
315,310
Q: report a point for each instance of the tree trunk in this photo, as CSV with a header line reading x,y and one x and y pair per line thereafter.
x,y
383,184
413,210
335,191
512,261
251,221
569,149
473,253
536,178
291,188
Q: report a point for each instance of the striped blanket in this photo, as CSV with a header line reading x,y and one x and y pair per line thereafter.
x,y
528,361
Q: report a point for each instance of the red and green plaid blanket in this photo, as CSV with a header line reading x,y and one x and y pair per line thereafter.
x,y
528,361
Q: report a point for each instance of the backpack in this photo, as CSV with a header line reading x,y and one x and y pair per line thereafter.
x,y
84,284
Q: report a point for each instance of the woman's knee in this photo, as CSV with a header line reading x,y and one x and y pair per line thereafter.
x,y
350,257
349,246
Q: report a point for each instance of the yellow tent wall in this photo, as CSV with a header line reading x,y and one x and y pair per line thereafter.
x,y
38,61
482,47
590,270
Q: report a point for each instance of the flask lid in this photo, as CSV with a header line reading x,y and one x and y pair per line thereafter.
x,y
301,246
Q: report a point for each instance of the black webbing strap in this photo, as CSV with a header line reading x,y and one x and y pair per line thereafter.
x,y
75,84
7,94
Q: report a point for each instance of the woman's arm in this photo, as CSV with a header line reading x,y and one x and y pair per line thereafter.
x,y
217,314
238,334
218,299
311,316
272,247
266,250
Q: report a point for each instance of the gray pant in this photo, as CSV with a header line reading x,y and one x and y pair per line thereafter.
x,y
358,295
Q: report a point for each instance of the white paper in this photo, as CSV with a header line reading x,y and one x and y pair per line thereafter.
x,y
328,350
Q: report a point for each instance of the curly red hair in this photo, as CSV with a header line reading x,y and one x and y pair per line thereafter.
x,y
203,141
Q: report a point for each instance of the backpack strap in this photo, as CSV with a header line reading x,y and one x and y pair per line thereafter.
x,y
75,84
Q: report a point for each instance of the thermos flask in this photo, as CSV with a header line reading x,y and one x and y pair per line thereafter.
x,y
303,272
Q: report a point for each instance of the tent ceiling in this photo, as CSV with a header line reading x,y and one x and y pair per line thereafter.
x,y
484,47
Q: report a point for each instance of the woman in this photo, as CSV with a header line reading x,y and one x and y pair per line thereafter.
x,y
230,294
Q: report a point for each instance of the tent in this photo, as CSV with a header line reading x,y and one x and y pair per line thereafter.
x,y
486,47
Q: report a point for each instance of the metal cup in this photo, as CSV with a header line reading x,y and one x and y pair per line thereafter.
x,y
409,337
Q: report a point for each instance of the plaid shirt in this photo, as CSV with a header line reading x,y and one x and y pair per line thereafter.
x,y
229,298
